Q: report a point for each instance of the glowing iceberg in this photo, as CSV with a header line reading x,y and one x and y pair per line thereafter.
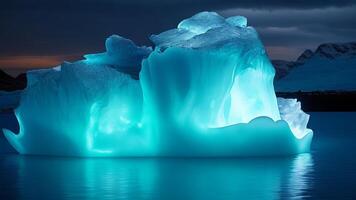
x,y
205,90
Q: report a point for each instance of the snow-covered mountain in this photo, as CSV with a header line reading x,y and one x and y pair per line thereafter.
x,y
331,67
282,67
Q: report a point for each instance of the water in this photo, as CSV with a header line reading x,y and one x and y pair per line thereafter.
x,y
326,173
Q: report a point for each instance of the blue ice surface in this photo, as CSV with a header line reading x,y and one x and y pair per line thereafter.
x,y
205,90
120,52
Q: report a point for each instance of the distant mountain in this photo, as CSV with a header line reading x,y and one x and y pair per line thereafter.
x,y
9,83
331,67
10,90
282,67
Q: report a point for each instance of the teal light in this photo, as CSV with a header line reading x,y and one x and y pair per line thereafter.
x,y
205,90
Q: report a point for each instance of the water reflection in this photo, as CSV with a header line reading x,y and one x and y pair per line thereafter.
x,y
165,178
300,178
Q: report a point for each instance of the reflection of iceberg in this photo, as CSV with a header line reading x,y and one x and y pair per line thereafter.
x,y
205,90
149,178
299,177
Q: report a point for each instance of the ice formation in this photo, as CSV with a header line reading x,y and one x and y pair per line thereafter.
x,y
205,90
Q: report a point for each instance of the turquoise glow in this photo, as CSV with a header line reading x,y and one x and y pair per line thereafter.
x,y
205,90
172,179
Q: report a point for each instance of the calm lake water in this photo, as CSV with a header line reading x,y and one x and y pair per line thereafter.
x,y
328,172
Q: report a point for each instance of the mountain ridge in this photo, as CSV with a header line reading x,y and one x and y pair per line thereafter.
x,y
326,50
331,67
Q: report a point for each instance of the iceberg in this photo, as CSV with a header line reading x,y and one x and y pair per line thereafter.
x,y
206,89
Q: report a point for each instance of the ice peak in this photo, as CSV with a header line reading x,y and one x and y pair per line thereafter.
x,y
202,22
208,30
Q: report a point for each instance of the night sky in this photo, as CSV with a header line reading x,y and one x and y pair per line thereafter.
x,y
37,33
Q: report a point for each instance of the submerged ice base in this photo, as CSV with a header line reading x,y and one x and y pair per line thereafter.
x,y
205,90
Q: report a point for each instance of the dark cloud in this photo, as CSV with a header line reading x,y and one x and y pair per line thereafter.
x,y
301,28
187,4
42,27
335,17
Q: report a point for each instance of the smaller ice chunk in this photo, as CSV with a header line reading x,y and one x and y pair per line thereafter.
x,y
209,30
291,112
84,108
239,21
120,52
202,22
